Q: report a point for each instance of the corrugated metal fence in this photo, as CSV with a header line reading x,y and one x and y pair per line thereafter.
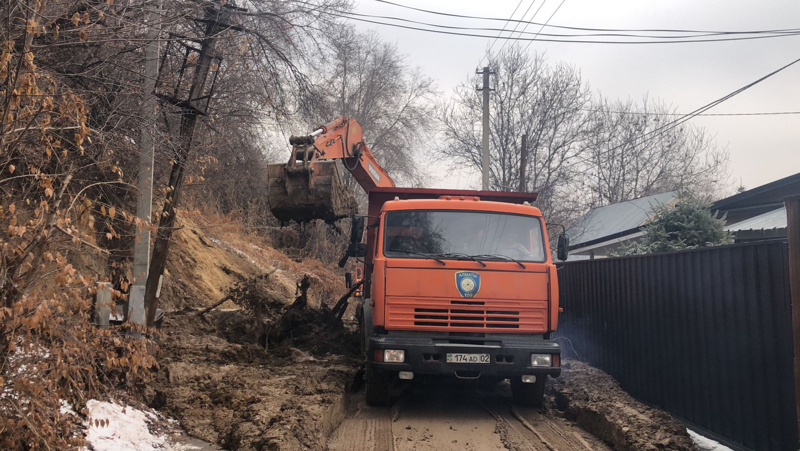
x,y
704,334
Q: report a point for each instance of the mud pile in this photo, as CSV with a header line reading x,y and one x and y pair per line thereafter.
x,y
594,400
270,375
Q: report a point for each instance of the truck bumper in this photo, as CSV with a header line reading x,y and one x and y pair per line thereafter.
x,y
426,354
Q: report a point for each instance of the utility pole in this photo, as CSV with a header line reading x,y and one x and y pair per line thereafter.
x,y
190,108
523,163
144,204
485,159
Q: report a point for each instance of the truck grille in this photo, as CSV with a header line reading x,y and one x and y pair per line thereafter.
x,y
467,314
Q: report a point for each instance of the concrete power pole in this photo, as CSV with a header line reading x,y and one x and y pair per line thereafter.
x,y
523,163
144,204
485,159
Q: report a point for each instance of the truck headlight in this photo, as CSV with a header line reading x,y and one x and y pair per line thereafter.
x,y
394,356
541,360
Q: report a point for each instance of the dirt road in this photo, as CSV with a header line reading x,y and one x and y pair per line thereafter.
x,y
456,418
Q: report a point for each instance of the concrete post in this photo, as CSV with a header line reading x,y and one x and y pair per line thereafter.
x,y
486,129
144,204
103,304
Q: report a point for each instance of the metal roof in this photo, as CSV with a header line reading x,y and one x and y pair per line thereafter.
x,y
603,222
775,219
722,204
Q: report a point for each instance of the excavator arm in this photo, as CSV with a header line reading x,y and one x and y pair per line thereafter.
x,y
310,186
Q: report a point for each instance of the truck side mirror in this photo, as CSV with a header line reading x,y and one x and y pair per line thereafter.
x,y
348,279
353,250
356,229
563,247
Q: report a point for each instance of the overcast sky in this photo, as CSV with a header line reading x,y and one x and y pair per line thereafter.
x,y
762,148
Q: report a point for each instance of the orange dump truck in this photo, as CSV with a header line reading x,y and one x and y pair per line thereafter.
x,y
456,283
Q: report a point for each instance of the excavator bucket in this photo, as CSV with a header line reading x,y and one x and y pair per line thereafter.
x,y
301,192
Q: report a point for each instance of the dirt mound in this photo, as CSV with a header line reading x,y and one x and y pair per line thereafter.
x,y
595,401
271,374
226,390
211,254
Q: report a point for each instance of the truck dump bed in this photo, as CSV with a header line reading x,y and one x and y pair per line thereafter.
x,y
379,196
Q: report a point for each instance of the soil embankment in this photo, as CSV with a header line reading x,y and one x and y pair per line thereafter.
x,y
254,373
594,400
233,392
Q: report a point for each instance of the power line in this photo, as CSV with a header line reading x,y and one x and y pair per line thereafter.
x,y
526,25
656,30
644,113
545,24
573,41
501,32
686,117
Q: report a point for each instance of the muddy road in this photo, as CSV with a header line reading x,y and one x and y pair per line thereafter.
x,y
456,418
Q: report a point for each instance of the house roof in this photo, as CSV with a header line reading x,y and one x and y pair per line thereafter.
x,y
749,197
775,219
606,222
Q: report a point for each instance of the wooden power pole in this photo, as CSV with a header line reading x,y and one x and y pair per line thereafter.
x,y
190,109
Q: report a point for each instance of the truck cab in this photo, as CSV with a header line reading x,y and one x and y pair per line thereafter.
x,y
459,284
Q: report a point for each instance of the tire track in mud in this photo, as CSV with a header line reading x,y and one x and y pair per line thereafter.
x,y
364,428
455,418
526,429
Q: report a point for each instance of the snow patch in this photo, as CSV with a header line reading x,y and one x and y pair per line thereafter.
x,y
127,428
66,408
706,444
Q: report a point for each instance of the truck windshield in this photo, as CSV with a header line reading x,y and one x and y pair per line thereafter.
x,y
444,234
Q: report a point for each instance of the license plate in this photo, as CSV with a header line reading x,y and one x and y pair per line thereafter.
x,y
467,358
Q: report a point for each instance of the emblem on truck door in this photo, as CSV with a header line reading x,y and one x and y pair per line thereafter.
x,y
468,283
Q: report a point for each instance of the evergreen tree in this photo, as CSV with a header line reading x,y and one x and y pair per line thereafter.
x,y
689,224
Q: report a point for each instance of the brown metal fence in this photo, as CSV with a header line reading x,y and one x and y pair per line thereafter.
x,y
704,334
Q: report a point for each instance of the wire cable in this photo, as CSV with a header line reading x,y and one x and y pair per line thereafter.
x,y
644,113
657,30
501,32
677,122
573,41
545,24
526,25
453,27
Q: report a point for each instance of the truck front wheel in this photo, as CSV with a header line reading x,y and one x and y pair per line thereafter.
x,y
377,387
528,395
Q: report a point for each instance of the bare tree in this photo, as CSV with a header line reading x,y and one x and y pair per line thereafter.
x,y
581,152
546,102
367,78
635,151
